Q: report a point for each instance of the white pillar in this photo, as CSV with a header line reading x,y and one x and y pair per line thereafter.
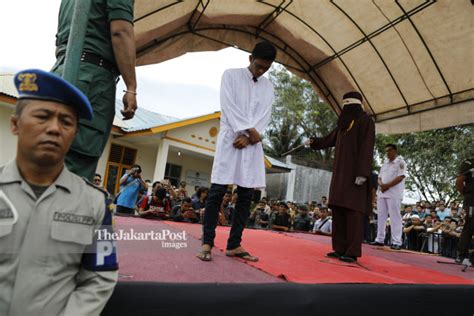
x,y
161,159
290,188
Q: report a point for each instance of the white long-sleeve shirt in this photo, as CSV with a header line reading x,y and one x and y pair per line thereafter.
x,y
245,104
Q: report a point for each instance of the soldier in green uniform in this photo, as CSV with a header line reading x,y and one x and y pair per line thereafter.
x,y
465,186
109,50
53,259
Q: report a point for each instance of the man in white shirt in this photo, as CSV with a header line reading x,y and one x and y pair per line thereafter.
x,y
246,104
323,226
389,197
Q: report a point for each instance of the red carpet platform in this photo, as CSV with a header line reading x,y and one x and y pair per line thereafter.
x,y
293,257
293,277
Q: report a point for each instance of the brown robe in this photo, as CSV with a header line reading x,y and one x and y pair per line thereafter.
x,y
348,201
353,158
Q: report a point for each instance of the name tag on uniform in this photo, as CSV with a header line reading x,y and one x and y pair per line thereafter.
x,y
6,213
73,218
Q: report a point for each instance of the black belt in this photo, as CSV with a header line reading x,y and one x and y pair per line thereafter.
x,y
94,59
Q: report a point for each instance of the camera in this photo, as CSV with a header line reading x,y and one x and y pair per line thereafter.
x,y
135,171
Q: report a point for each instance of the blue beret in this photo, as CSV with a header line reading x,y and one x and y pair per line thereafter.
x,y
41,85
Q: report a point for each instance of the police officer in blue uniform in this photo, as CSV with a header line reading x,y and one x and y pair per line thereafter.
x,y
52,261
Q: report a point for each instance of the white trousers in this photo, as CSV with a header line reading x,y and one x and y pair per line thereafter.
x,y
386,207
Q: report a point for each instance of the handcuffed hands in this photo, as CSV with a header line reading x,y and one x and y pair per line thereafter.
x,y
360,180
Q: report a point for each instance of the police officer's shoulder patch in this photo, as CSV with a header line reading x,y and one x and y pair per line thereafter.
x,y
102,254
107,195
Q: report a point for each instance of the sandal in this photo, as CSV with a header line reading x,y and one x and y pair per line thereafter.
x,y
204,255
242,255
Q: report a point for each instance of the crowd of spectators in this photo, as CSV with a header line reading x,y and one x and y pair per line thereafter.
x,y
161,200
427,227
432,227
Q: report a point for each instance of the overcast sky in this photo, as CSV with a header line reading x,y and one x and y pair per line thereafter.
x,y
182,87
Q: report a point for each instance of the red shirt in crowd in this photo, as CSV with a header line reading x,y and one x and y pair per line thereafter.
x,y
163,205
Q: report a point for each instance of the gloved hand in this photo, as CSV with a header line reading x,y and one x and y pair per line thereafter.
x,y
360,180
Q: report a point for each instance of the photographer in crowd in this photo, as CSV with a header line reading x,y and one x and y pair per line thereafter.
x,y
156,206
130,184
185,212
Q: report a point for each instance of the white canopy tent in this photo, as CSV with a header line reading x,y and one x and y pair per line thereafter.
x,y
412,60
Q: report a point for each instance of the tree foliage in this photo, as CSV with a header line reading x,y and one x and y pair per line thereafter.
x,y
433,159
298,113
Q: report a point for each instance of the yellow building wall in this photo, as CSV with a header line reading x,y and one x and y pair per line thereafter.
x,y
203,135
191,163
146,157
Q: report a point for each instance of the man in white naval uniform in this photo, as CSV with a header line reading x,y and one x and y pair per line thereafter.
x,y
389,197
246,103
